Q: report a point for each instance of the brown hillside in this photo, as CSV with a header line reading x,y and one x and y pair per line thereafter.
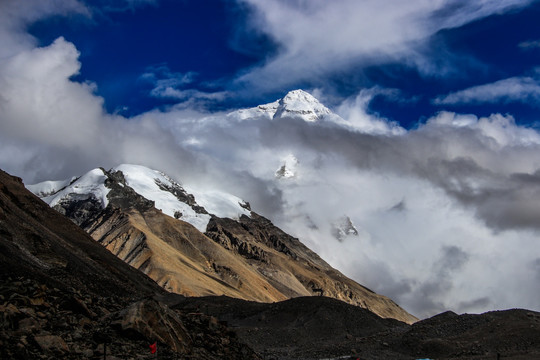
x,y
248,259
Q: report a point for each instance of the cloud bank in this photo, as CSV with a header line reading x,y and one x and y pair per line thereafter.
x,y
447,213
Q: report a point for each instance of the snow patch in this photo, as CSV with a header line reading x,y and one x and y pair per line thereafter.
x,y
221,204
145,182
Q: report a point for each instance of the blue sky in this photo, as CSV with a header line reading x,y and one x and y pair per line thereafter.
x,y
434,154
206,46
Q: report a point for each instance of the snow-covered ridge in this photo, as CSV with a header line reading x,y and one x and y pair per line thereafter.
x,y
167,194
48,188
90,185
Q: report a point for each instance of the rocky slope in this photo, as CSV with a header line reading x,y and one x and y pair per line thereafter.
x,y
242,255
62,295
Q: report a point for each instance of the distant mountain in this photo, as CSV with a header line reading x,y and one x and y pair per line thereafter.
x,y
208,243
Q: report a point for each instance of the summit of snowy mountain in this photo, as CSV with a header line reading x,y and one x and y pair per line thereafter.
x,y
297,104
302,105
96,187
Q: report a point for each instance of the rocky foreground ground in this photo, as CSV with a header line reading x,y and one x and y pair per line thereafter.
x,y
323,328
39,321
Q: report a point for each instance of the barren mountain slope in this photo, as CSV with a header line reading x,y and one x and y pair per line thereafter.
x,y
63,296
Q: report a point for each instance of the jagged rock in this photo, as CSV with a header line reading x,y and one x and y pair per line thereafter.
x,y
178,191
29,325
53,343
155,322
79,211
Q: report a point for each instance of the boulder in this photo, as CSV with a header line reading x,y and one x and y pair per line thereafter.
x,y
154,321
51,343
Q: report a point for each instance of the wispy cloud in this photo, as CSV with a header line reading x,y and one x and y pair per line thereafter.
x,y
530,44
318,38
515,89
174,85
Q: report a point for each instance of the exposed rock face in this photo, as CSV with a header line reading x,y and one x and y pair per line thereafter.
x,y
293,268
123,196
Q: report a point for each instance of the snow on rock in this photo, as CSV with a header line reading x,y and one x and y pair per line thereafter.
x,y
288,169
91,184
343,228
158,187
221,204
265,111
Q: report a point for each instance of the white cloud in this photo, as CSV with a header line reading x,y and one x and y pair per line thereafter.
x,y
60,125
355,110
516,89
318,38
467,188
16,15
172,85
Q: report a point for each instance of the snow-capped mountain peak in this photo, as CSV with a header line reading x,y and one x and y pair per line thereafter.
x,y
300,104
194,207
297,104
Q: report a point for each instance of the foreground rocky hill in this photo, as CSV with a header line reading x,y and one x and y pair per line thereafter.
x,y
153,224
62,295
